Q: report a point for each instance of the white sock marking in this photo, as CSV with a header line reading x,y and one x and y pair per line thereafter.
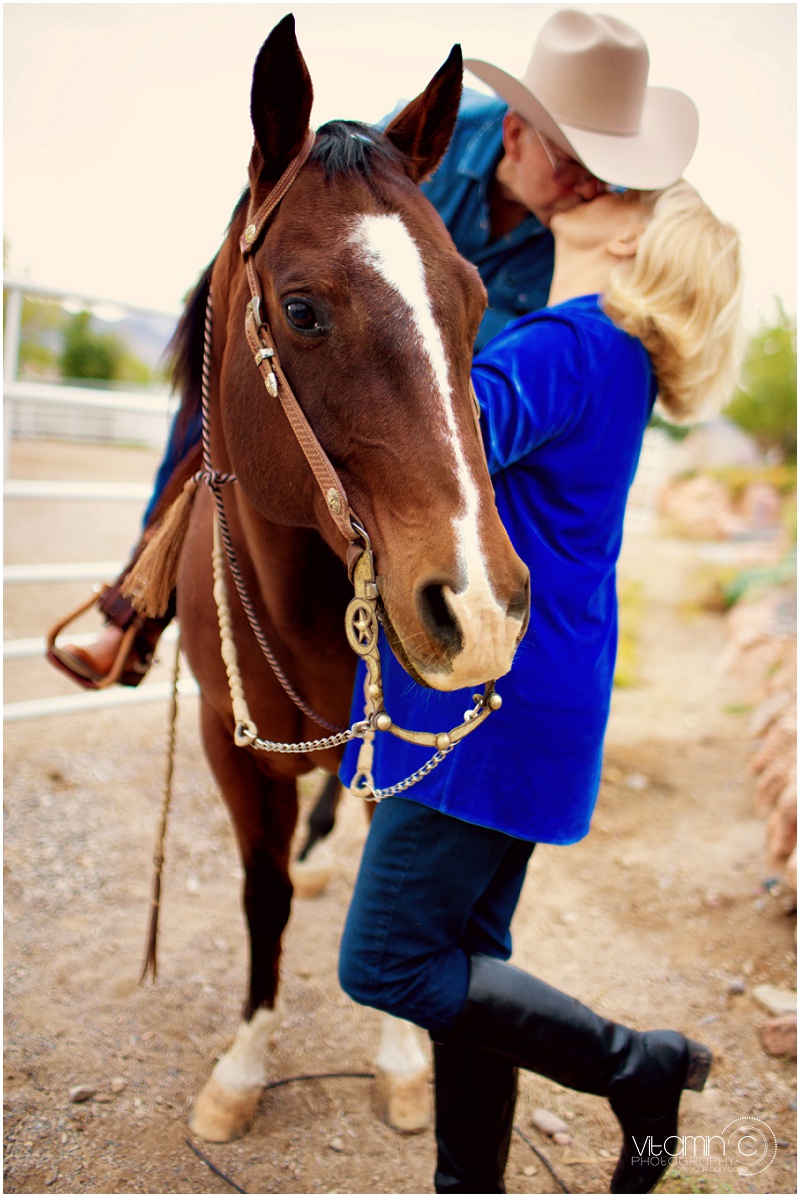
x,y
243,1066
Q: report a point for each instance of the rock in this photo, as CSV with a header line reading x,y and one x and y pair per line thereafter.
x,y
81,1093
637,781
779,1036
548,1123
698,507
777,1001
336,1144
736,986
118,1084
562,1140
52,1177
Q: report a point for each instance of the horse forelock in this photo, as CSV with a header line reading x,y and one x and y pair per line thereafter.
x,y
346,148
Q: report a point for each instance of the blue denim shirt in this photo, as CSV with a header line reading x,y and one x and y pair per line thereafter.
x,y
516,269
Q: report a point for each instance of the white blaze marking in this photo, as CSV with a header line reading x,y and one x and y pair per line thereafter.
x,y
391,250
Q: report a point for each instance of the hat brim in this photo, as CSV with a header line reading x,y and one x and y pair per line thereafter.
x,y
653,158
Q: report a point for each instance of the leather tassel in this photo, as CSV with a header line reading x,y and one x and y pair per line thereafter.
x,y
154,575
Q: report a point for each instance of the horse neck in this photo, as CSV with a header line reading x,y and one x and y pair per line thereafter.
x,y
290,572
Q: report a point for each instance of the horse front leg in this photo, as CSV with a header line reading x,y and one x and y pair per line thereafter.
x,y
264,812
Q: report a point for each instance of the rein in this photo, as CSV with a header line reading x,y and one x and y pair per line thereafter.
x,y
361,616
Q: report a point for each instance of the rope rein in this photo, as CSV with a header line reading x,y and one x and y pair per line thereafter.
x,y
215,480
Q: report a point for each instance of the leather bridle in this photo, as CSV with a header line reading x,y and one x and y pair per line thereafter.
x,y
361,617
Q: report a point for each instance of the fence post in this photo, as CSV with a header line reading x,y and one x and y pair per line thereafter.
x,y
13,334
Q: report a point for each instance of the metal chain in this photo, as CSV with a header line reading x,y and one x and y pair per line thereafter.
x,y
301,745
246,733
370,794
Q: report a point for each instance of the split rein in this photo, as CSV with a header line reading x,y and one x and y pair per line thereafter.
x,y
361,616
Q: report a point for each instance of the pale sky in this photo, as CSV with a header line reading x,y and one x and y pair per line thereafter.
x,y
127,135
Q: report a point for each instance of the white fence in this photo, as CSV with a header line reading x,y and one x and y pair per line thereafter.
x,y
36,409
86,413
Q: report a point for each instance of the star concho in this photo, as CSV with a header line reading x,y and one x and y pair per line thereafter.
x,y
361,627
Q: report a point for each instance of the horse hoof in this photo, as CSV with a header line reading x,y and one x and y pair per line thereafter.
x,y
220,1115
402,1102
311,876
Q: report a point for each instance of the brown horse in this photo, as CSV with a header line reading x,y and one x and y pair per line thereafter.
x,y
372,315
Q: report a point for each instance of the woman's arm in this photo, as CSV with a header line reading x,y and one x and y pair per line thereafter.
x,y
529,383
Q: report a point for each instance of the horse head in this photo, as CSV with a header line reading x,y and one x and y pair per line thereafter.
x,y
373,315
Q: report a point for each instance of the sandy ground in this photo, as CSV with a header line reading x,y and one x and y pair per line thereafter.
x,y
654,919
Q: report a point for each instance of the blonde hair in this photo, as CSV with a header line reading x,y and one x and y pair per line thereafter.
x,y
681,296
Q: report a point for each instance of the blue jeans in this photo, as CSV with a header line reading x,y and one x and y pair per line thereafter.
x,y
431,891
181,439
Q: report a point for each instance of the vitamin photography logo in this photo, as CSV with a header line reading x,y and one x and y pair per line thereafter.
x,y
745,1147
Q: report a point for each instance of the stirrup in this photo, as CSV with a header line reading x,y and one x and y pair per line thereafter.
x,y
64,662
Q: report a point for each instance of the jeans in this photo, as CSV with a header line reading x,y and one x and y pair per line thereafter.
x,y
183,436
431,891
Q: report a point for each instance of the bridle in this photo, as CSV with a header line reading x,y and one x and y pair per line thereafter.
x,y
361,616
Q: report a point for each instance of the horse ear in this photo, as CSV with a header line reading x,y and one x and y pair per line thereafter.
x,y
422,131
280,103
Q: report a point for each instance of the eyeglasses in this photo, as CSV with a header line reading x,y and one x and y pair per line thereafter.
x,y
569,170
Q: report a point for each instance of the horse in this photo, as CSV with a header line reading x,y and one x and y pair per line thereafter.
x,y
339,428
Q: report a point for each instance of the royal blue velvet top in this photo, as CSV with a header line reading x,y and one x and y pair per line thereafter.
x,y
565,398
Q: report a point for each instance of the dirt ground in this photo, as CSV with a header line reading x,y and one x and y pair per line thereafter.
x,y
659,918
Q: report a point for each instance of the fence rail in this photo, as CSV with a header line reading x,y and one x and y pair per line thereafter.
x,y
79,412
100,414
40,708
61,571
42,488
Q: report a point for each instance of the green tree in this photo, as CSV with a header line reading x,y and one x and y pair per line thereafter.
x,y
87,353
765,405
42,324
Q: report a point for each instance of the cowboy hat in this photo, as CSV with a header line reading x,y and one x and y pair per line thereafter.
x,y
585,88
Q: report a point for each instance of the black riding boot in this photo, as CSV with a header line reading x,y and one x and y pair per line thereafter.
x,y
642,1073
476,1093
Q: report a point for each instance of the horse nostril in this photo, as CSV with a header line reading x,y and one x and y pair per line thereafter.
x,y
438,619
519,606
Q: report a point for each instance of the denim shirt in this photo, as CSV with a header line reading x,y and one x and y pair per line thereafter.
x,y
516,269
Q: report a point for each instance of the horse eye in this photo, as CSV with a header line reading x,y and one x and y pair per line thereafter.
x,y
302,316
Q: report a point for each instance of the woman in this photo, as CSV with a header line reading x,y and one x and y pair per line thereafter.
x,y
645,299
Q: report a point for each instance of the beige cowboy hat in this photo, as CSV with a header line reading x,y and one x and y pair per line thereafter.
x,y
586,89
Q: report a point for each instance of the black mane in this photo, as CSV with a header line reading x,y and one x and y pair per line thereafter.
x,y
184,353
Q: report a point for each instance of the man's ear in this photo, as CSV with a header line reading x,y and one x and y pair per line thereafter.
x,y
514,130
626,243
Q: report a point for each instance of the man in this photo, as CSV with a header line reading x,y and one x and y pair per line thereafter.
x,y
580,121
581,113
